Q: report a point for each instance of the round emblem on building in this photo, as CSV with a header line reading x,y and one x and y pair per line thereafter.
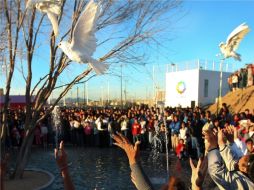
x,y
181,87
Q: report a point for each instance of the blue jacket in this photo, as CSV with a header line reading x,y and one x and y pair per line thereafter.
x,y
175,127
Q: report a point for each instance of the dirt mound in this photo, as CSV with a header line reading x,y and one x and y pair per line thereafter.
x,y
237,101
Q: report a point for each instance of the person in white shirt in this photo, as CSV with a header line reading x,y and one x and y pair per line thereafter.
x,y
44,134
235,81
183,131
143,132
78,131
102,126
124,125
98,123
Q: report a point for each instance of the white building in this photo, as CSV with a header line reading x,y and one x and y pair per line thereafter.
x,y
195,87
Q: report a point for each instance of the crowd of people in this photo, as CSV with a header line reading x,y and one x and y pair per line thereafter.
x,y
181,128
242,78
186,132
227,154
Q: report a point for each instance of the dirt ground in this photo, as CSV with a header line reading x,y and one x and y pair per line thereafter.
x,y
238,101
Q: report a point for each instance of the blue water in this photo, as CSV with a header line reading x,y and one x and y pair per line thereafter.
x,y
105,168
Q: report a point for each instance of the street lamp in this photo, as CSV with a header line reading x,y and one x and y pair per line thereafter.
x,y
121,86
220,84
77,99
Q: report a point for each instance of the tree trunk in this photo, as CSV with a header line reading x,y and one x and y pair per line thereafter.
x,y
5,112
24,154
3,131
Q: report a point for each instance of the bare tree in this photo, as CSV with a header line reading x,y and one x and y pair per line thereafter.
x,y
11,24
131,23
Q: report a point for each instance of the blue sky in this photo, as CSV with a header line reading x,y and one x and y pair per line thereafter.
x,y
203,25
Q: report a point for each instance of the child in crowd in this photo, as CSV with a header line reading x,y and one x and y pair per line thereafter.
x,y
181,150
136,130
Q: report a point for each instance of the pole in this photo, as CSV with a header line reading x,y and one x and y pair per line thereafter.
x,y
77,98
102,95
71,98
84,95
146,92
87,94
220,87
167,154
122,86
153,84
64,101
125,93
108,92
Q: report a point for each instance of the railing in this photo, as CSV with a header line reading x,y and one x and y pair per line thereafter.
x,y
201,64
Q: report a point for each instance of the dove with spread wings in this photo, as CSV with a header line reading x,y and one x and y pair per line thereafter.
x,y
233,41
83,43
50,7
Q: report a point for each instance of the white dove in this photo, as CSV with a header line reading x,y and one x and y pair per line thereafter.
x,y
233,40
51,7
83,43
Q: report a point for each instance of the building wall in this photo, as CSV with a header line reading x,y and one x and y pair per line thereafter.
x,y
16,101
181,88
213,78
187,87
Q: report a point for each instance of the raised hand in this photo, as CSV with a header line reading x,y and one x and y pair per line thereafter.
x,y
131,151
198,173
211,139
236,134
229,133
222,140
61,157
61,160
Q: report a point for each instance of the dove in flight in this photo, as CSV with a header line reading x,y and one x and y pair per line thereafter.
x,y
233,41
83,43
50,7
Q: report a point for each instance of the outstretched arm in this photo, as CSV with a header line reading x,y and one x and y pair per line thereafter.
x,y
61,159
228,153
138,176
198,173
216,167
